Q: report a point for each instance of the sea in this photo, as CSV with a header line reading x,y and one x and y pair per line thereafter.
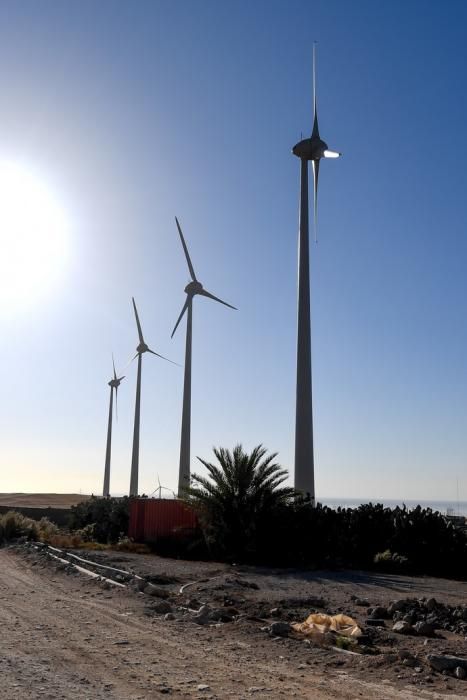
x,y
445,507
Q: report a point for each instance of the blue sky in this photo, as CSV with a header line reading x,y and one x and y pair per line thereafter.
x,y
134,112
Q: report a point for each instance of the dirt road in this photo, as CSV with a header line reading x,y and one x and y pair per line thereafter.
x,y
64,637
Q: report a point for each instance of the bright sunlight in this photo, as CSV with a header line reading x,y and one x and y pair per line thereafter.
x,y
33,239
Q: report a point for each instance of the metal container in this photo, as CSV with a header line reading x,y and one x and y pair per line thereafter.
x,y
154,518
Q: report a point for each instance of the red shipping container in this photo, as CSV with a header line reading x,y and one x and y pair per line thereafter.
x,y
154,518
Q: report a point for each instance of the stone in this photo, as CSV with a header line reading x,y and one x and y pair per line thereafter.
x,y
374,622
402,627
220,615
202,616
460,673
446,662
379,613
362,602
162,607
279,629
431,604
155,591
397,606
169,616
202,686
424,629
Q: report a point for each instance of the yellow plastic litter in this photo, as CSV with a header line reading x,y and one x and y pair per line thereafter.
x,y
318,623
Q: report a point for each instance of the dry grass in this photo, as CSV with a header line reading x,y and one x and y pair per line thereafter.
x,y
42,500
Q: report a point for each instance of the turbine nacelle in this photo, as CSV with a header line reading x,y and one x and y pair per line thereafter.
x,y
313,148
115,383
142,347
193,288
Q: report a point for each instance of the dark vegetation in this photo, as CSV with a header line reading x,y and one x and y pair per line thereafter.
x,y
248,516
104,520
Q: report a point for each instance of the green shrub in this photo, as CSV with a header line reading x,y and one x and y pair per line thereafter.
x,y
106,518
13,525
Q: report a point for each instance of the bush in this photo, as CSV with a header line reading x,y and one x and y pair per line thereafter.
x,y
106,518
14,525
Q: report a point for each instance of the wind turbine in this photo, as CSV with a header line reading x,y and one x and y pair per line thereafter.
x,y
162,488
192,289
114,384
311,149
140,350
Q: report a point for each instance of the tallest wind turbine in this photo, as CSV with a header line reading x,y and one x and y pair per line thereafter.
x,y
310,149
192,289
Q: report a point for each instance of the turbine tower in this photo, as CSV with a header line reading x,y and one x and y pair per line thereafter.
x,y
140,350
310,149
192,289
114,384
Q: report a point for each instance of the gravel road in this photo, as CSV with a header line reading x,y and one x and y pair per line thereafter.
x,y
64,637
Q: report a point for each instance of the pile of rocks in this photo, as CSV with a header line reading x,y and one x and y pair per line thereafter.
x,y
420,616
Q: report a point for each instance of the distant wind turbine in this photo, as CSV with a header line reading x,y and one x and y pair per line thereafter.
x,y
140,350
311,149
192,289
114,384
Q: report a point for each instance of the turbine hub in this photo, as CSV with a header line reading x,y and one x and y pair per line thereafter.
x,y
114,383
142,347
193,288
310,149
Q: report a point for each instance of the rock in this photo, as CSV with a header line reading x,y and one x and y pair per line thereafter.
x,y
460,673
424,629
397,606
220,615
202,686
202,616
431,604
162,607
279,629
446,662
275,612
362,602
155,591
379,613
193,604
374,622
402,627
139,583
169,616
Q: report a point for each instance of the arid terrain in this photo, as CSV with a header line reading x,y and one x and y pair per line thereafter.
x,y
41,500
66,635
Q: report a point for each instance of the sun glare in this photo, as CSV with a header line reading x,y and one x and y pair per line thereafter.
x,y
33,239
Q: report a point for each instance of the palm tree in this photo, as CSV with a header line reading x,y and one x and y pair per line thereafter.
x,y
236,499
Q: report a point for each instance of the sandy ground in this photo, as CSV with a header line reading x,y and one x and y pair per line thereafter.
x,y
65,637
41,500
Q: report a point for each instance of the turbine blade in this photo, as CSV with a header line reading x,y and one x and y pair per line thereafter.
x,y
120,378
204,293
162,356
315,195
315,132
140,332
187,255
113,363
185,306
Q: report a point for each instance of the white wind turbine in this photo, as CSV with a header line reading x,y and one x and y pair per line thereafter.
x,y
310,149
114,384
192,289
140,350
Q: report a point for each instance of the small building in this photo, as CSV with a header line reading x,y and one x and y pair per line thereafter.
x,y
153,519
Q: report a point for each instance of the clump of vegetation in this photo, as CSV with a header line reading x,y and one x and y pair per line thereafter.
x,y
104,520
14,525
246,514
391,561
235,502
